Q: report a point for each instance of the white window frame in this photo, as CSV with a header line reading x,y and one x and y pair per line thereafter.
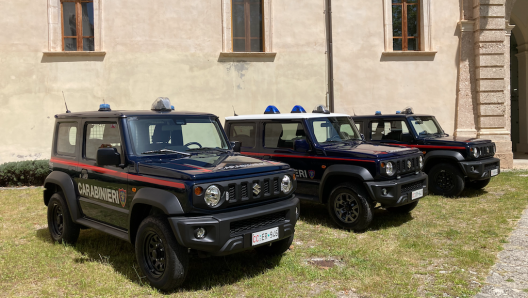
x,y
227,35
55,29
426,40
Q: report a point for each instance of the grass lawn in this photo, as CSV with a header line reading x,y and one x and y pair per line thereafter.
x,y
445,246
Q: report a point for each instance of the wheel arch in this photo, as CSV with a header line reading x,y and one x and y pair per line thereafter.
x,y
443,156
62,182
341,174
151,201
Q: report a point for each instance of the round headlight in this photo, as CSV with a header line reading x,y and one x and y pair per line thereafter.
x,y
389,169
476,152
212,196
286,184
420,160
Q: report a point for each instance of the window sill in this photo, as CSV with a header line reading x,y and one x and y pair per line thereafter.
x,y
409,53
247,54
74,53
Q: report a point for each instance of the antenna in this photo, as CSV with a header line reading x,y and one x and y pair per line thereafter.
x,y
67,111
104,101
234,113
353,111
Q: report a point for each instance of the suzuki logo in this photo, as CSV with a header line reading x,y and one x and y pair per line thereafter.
x,y
409,164
256,189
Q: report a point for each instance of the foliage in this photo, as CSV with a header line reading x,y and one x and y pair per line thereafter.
x,y
24,173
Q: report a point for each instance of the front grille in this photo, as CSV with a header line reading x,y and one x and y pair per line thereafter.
x,y
276,185
232,193
402,165
406,188
244,190
266,186
485,150
257,223
491,166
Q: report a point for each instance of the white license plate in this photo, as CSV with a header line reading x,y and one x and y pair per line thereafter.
x,y
417,194
264,236
494,172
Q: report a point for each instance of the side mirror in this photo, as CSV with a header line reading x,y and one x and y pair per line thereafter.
x,y
236,146
108,157
363,137
301,145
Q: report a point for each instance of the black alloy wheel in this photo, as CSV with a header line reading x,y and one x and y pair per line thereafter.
x,y
346,208
155,254
350,207
446,180
60,224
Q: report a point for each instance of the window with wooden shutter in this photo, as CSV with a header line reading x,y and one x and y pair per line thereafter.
x,y
77,25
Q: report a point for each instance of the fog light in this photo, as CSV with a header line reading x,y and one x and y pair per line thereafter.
x,y
199,233
384,191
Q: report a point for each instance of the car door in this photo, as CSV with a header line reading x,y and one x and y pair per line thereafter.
x,y
103,189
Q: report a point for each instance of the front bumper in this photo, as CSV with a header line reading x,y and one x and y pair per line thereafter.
x,y
230,232
481,169
399,191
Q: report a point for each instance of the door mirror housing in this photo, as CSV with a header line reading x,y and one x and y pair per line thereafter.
x,y
236,146
301,145
108,157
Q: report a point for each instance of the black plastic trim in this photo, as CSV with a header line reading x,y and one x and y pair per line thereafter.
x,y
395,197
65,182
344,170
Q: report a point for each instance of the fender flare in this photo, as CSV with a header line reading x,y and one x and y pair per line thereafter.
x,y
445,154
65,182
161,199
344,170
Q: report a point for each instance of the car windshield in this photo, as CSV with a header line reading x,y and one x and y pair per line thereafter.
x,y
175,135
331,130
426,126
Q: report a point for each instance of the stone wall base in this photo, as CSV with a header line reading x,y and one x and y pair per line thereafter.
x,y
504,152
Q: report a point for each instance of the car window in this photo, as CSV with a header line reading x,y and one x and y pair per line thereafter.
x,y
359,126
388,130
101,135
66,138
243,133
282,135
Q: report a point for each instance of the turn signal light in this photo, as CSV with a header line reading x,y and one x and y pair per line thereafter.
x,y
198,191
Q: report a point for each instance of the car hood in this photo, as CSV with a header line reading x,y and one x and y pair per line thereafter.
x,y
365,150
207,166
460,141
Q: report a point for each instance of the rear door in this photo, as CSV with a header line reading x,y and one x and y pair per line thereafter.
x,y
103,189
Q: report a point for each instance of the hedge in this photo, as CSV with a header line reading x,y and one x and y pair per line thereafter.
x,y
24,173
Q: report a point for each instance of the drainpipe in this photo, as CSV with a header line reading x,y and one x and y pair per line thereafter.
x,y
330,55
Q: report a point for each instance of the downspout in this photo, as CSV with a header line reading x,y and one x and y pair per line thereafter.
x,y
330,55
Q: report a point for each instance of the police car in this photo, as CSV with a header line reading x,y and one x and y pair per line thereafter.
x,y
451,162
168,182
333,164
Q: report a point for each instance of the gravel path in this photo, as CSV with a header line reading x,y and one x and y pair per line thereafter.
x,y
509,276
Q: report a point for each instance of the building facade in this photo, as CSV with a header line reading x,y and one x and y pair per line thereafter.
x,y
450,58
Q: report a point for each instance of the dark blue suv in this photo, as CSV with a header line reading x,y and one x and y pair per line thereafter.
x,y
168,182
452,163
332,162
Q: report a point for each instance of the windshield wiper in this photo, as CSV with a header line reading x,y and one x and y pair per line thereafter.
x,y
207,149
166,151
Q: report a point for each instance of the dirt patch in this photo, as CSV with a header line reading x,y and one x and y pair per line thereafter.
x,y
325,263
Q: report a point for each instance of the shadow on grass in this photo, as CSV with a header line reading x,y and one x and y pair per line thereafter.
x,y
204,273
317,214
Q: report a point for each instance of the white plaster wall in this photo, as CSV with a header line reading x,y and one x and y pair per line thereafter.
x,y
366,81
163,48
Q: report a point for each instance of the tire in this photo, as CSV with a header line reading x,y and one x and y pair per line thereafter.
x,y
446,180
275,248
403,209
478,184
349,206
162,260
60,225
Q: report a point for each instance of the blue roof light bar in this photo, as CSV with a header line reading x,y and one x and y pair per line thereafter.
x,y
298,109
272,110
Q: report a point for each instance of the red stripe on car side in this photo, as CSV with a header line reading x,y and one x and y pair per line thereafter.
x,y
119,174
309,157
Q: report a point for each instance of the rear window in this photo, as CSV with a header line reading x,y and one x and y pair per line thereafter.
x,y
243,133
67,138
282,135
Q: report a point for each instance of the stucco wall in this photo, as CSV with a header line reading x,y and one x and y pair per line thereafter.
x,y
366,81
169,49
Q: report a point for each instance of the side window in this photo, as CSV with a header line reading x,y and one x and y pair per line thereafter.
x,y
101,135
376,130
282,135
359,126
66,138
243,133
389,130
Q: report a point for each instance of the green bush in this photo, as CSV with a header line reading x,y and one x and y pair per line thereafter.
x,y
24,173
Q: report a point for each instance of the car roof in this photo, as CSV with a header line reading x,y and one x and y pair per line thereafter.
x,y
389,116
284,116
124,113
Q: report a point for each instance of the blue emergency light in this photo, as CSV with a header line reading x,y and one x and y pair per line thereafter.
x,y
398,112
172,108
271,110
378,113
298,109
104,107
